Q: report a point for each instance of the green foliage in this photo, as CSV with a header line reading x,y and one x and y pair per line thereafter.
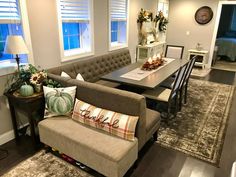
x,y
52,83
144,16
14,82
162,21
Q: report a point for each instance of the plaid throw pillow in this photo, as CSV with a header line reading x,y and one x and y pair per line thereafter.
x,y
117,124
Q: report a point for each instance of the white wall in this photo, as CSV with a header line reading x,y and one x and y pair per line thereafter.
x,y
45,40
181,20
44,33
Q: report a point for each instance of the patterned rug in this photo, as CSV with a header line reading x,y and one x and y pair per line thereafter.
x,y
199,129
199,72
45,165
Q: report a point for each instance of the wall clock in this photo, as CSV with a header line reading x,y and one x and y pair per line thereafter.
x,y
203,15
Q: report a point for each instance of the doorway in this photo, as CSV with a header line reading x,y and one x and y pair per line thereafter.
x,y
223,48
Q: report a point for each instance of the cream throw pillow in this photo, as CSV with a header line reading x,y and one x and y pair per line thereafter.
x,y
117,124
78,77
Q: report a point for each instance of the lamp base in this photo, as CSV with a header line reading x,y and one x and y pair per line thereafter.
x,y
18,62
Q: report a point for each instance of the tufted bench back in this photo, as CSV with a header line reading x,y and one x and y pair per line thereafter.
x,y
93,68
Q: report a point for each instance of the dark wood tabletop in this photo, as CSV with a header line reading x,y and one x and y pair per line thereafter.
x,y
149,82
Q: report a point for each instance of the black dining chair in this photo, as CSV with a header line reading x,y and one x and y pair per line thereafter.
x,y
184,83
166,95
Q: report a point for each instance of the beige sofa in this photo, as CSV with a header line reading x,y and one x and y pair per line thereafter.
x,y
107,154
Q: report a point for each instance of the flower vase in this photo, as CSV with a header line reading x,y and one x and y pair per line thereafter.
x,y
38,88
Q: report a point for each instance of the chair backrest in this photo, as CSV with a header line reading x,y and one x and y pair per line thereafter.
x,y
178,80
174,51
189,69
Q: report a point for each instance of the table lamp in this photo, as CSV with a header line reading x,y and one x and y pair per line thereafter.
x,y
16,45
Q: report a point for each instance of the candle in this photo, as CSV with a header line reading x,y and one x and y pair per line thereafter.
x,y
154,57
150,60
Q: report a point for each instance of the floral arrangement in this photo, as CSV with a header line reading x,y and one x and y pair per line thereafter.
x,y
29,75
25,76
144,16
162,21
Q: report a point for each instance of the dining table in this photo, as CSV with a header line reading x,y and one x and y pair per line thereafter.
x,y
133,75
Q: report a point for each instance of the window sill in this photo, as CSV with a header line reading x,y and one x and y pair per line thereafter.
x,y
75,54
117,46
6,68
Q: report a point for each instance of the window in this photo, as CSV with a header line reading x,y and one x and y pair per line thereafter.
x,y
163,5
75,27
118,24
233,20
10,24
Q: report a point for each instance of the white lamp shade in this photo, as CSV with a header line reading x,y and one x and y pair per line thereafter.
x,y
15,45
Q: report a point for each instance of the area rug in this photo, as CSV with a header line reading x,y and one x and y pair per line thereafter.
x,y
199,129
199,72
45,165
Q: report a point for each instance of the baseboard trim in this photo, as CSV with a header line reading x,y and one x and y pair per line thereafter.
x,y
8,136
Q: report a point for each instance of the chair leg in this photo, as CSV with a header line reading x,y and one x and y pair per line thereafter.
x,y
180,98
155,136
185,93
176,105
168,110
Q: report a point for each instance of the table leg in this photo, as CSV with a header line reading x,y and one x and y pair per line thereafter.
x,y
32,129
13,118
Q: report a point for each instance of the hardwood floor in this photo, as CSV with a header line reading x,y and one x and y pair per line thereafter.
x,y
158,161
17,152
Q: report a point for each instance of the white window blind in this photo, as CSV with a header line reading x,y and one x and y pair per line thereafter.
x,y
118,10
74,10
9,10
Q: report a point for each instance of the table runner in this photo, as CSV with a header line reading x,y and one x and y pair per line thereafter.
x,y
138,74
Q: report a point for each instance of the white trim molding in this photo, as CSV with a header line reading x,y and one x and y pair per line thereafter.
x,y
6,137
217,21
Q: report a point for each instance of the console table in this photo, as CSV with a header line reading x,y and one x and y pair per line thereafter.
x,y
30,106
201,59
146,51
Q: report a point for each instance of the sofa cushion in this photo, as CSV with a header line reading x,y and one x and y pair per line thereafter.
x,y
117,124
109,155
108,83
58,101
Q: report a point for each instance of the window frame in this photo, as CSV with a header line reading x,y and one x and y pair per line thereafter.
x,y
9,66
74,54
117,45
233,20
